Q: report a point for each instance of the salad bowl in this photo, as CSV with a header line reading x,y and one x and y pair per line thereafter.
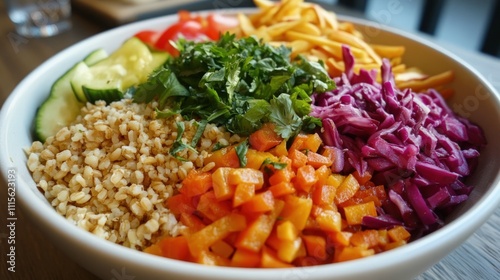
x,y
474,98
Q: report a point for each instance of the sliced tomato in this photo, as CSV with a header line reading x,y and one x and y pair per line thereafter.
x,y
195,28
148,36
217,24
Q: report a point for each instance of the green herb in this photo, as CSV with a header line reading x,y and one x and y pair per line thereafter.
x,y
238,83
274,164
199,132
179,146
241,152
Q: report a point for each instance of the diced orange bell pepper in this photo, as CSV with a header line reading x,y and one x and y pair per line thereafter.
x,y
289,249
298,158
243,193
269,259
323,195
255,158
286,231
255,235
175,248
247,176
296,210
225,157
154,250
211,208
351,253
316,246
368,238
222,189
222,249
347,189
265,138
282,189
209,258
329,220
316,160
305,178
259,203
196,183
180,203
245,258
192,222
216,231
280,150
398,233
354,214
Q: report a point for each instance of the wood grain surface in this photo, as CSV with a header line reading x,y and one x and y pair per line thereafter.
x,y
36,258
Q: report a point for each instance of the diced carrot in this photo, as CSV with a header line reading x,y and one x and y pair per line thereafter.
x,y
211,208
329,220
259,203
298,158
245,258
280,150
354,214
288,249
175,248
255,235
209,258
296,210
222,189
265,138
306,177
398,233
216,231
351,253
323,195
317,160
315,246
255,158
368,238
225,157
247,176
286,231
282,188
347,189
180,203
243,193
196,183
269,259
222,249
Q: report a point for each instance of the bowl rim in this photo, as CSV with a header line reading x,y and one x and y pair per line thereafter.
x,y
37,209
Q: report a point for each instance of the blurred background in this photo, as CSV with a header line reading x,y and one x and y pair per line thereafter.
x,y
470,24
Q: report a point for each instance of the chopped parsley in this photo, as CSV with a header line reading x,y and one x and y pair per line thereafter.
x,y
238,83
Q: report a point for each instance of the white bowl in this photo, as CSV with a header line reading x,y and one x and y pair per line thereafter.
x,y
102,257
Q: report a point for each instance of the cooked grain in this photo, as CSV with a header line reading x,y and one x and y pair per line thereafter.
x,y
111,173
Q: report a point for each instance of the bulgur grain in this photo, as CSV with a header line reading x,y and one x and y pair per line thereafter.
x,y
111,171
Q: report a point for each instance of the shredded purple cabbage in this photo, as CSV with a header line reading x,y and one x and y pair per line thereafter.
x,y
412,143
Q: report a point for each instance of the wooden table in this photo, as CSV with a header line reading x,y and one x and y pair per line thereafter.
x,y
478,258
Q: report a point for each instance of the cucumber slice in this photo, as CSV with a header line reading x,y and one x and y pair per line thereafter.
x,y
59,109
95,56
109,78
